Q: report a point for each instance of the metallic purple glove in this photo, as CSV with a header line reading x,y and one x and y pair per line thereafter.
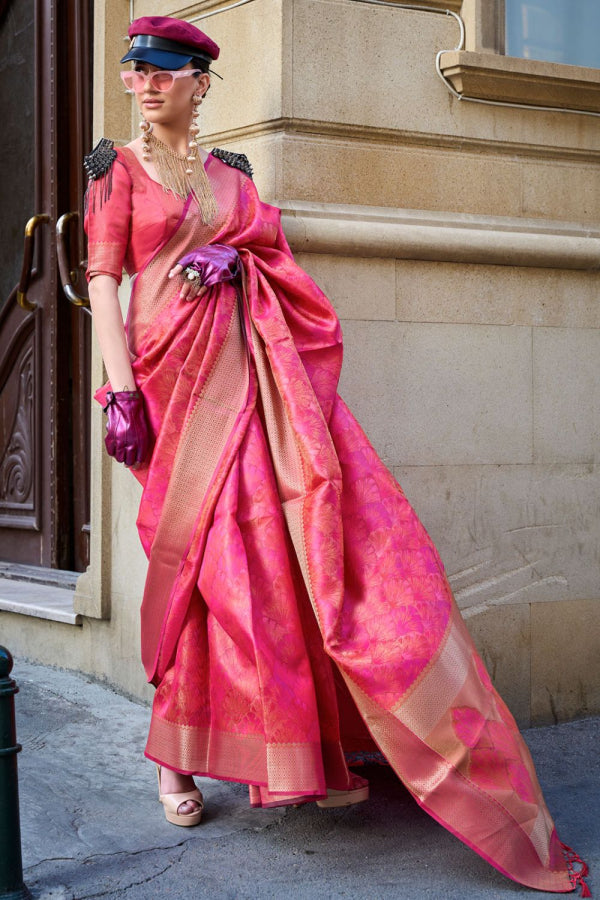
x,y
211,264
127,435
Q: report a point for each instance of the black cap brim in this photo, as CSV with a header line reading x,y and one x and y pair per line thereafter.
x,y
164,59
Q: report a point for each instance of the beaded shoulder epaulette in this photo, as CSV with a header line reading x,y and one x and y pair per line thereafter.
x,y
236,160
98,164
101,158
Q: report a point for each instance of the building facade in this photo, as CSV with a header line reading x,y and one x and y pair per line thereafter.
x,y
446,197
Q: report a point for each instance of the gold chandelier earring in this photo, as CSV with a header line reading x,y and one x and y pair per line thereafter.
x,y
146,129
194,130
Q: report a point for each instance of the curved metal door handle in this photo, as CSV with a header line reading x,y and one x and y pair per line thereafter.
x,y
67,275
28,246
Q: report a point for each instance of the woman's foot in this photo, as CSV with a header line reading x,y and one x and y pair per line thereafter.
x,y
357,792
171,782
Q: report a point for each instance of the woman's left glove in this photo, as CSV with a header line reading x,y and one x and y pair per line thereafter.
x,y
127,433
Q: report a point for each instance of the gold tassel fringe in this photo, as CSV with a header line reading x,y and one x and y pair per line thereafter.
x,y
171,169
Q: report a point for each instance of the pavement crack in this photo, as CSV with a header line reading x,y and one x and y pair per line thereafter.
x,y
48,859
119,889
128,853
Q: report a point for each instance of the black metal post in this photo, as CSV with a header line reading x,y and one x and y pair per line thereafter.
x,y
11,865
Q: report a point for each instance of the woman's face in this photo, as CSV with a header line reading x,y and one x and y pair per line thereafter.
x,y
172,107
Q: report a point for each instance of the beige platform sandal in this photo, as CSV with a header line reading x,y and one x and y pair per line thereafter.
x,y
344,798
172,802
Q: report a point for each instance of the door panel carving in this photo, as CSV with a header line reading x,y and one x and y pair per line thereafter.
x,y
17,457
20,514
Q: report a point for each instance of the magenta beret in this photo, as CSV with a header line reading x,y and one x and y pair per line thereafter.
x,y
168,43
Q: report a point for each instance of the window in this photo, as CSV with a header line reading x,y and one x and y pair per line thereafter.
x,y
540,53
562,31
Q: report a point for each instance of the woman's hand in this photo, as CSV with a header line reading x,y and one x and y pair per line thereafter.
x,y
190,290
204,267
127,433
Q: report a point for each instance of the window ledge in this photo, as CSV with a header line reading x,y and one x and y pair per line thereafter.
x,y
442,5
39,600
489,76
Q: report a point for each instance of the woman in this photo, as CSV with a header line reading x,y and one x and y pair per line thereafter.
x,y
295,609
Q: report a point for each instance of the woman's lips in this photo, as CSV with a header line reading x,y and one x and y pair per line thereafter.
x,y
152,103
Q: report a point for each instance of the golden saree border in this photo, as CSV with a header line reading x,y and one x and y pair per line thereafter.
x,y
285,453
287,461
222,401
432,694
292,769
471,814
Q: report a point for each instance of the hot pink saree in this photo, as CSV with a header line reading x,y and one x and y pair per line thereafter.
x,y
290,583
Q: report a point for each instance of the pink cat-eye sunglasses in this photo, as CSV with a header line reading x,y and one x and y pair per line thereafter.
x,y
162,80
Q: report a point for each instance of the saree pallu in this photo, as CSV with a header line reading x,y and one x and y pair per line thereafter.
x,y
289,580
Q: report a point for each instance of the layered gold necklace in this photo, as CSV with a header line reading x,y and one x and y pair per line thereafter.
x,y
183,174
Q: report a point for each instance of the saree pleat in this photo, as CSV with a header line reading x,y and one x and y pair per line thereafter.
x,y
283,556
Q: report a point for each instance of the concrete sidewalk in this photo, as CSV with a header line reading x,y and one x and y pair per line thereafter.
x,y
92,827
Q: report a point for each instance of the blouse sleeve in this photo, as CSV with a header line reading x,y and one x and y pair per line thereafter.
x,y
107,221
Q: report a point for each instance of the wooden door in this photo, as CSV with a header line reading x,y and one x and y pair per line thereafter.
x,y
45,89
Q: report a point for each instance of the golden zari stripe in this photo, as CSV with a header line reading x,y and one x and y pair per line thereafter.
x,y
215,411
432,695
286,768
287,459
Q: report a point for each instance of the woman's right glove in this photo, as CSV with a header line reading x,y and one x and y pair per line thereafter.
x,y
211,264
127,434
204,267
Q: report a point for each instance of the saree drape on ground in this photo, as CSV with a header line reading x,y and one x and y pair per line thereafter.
x,y
290,583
